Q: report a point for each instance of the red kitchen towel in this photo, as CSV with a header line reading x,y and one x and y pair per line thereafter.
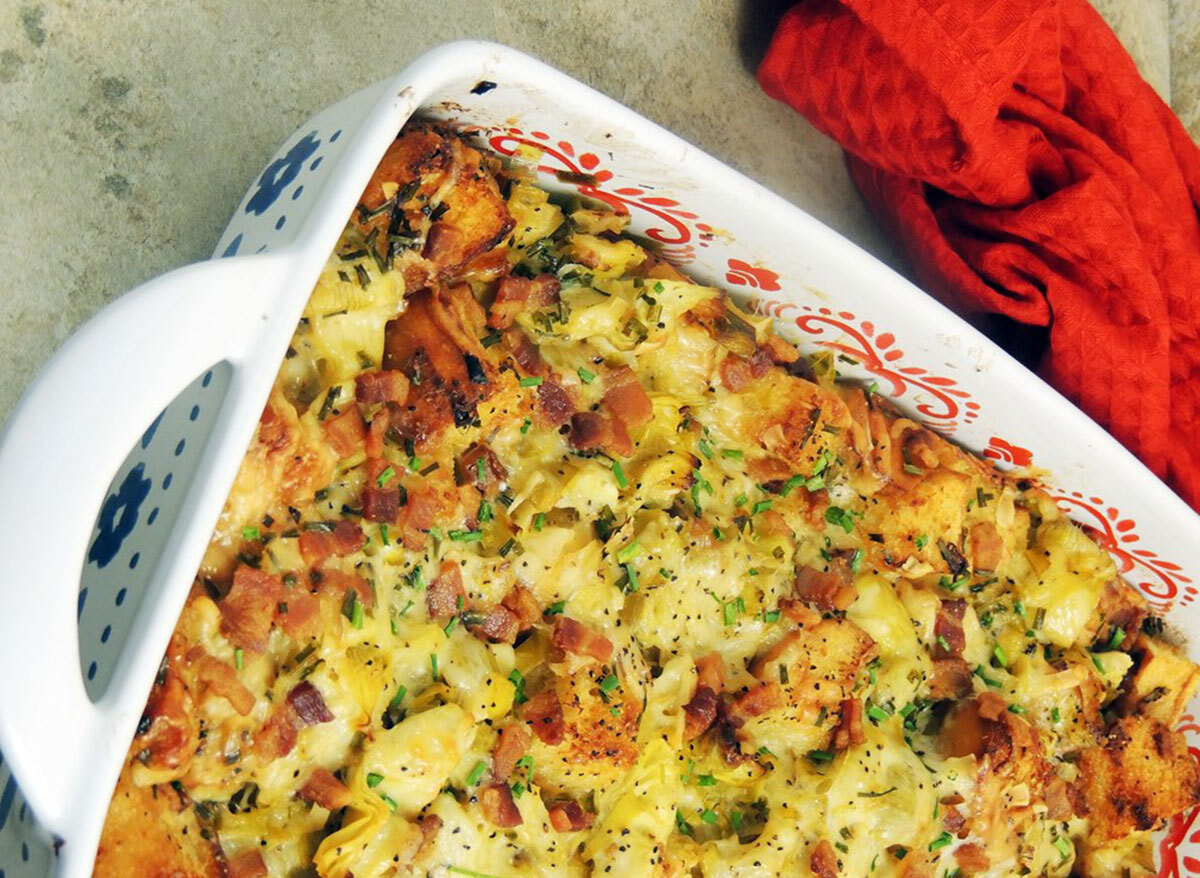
x,y
1027,170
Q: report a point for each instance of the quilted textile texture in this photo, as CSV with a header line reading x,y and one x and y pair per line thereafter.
x,y
1027,170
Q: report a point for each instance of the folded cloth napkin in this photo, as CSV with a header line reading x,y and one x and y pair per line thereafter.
x,y
1012,150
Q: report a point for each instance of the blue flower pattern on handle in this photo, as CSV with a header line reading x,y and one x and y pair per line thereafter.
x,y
127,501
280,173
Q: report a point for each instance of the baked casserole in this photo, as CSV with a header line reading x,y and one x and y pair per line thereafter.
x,y
547,560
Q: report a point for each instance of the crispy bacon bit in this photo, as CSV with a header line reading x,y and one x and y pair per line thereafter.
x,y
758,700
522,604
494,472
735,373
569,817
429,825
384,385
710,671
340,537
249,608
972,858
496,800
951,679
443,596
515,293
380,504
309,704
700,712
953,820
799,612
524,352
302,620
221,679
948,629
345,433
953,557
376,434
823,861
554,403
277,736
991,705
247,864
849,729
626,399
985,545
589,431
1058,799
499,625
544,712
337,583
827,590
419,514
779,350
171,737
572,636
324,789
510,747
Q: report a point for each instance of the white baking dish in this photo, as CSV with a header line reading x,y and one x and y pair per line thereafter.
x,y
76,663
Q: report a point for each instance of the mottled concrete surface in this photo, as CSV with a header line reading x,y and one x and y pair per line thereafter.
x,y
131,128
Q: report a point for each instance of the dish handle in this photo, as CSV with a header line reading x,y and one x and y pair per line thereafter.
x,y
64,441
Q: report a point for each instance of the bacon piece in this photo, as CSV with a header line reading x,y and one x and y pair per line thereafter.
x,y
626,399
554,403
951,679
499,625
827,590
780,351
515,293
324,789
524,606
384,385
799,612
302,619
524,352
345,433
569,817
496,800
171,737
700,712
221,679
510,747
589,431
735,373
1058,799
309,704
991,705
380,504
954,821
494,472
419,514
985,545
249,608
337,583
572,636
621,443
429,824
330,538
710,671
304,706
823,861
376,434
445,594
849,731
247,864
758,700
972,858
948,629
543,712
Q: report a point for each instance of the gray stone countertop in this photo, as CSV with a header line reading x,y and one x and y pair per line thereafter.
x,y
131,128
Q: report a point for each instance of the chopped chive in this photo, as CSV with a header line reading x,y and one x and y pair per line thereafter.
x,y
1054,714
585,376
941,841
239,658
735,820
943,643
531,381
987,681
407,607
1019,608
466,536
390,802
386,476
508,546
1064,846
820,757
729,612
518,681
1096,661
740,500
526,424
634,583
433,666
709,816
356,612
761,506
539,521
877,714
490,339
450,625
518,789
1000,655
249,533
374,779
609,683
840,517
1016,708
771,616
856,560
913,470
717,533
1117,638
681,824
618,472
921,541
398,697
793,482
705,448
476,773
628,553
395,628
555,608
732,453
485,512
384,536
706,780
480,471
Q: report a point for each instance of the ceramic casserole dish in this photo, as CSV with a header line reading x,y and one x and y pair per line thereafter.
x,y
101,543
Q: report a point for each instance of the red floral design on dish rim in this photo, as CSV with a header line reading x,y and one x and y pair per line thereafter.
x,y
1182,832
